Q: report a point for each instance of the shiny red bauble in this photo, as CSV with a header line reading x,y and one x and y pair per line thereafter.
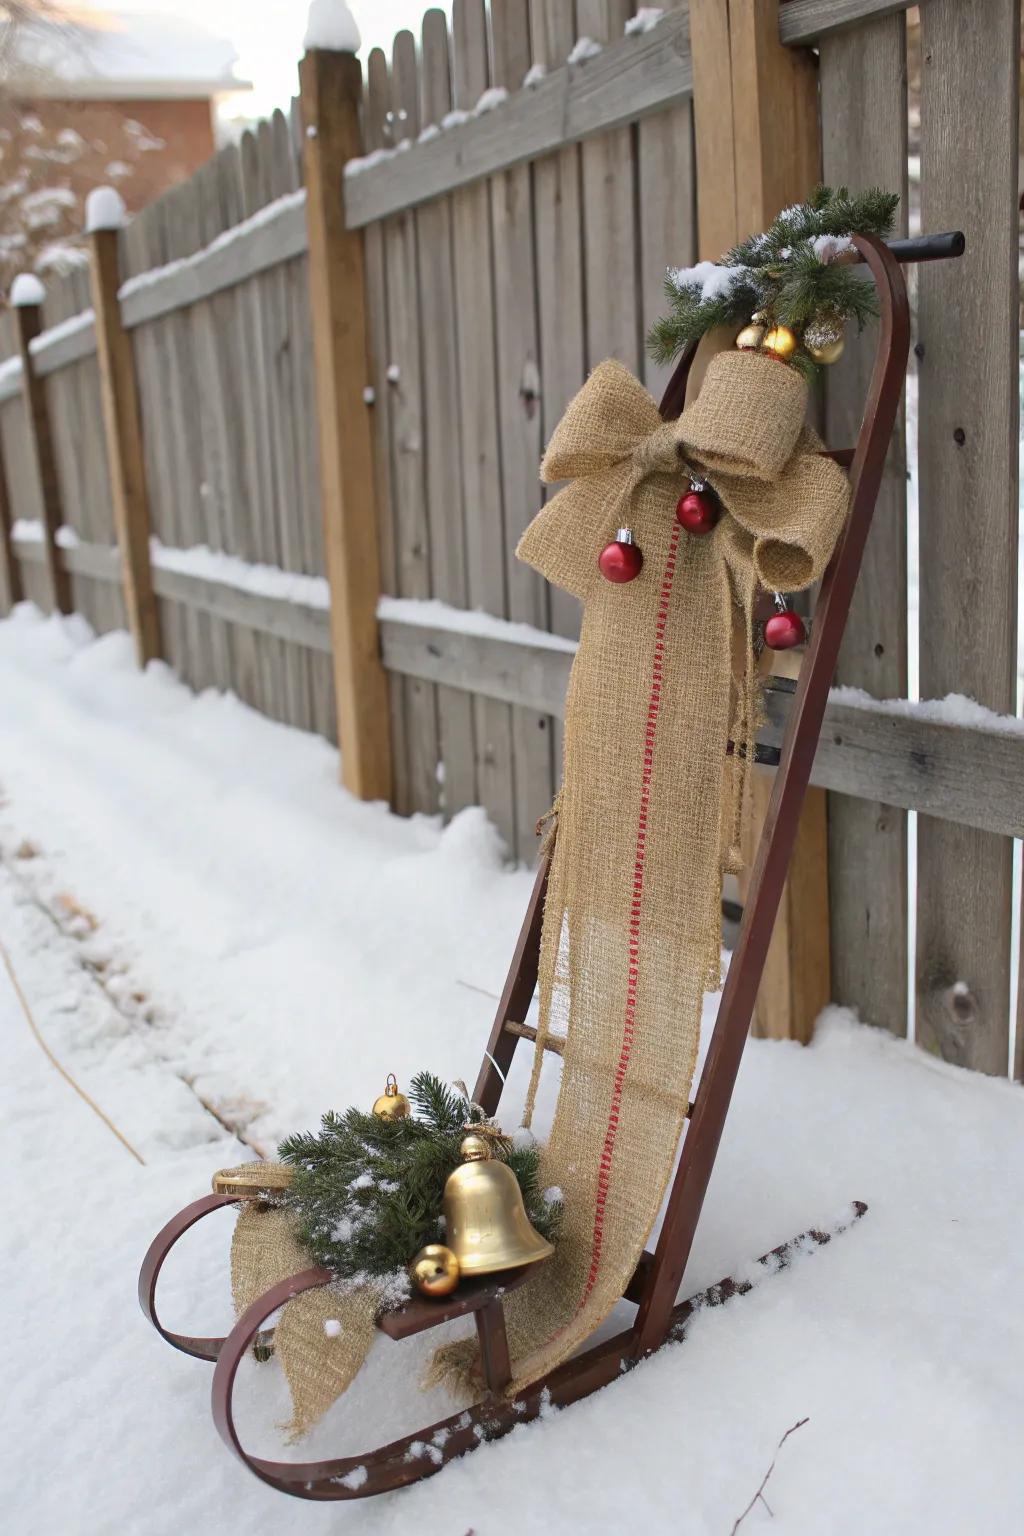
x,y
620,560
697,512
784,630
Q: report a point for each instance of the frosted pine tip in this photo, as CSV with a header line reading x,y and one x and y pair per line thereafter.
x,y
104,209
26,290
331,26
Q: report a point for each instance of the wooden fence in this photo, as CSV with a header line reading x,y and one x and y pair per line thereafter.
x,y
499,246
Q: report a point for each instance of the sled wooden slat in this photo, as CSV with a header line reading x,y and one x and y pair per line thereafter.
x,y
471,1296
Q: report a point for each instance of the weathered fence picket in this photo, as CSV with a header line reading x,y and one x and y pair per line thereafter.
x,y
508,246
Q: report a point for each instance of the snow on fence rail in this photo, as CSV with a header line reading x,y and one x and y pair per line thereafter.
x,y
519,236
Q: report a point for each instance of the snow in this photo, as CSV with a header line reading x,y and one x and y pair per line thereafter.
x,y
203,920
455,118
583,48
64,328
712,278
828,247
494,96
331,25
433,614
645,20
266,580
954,709
534,75
10,369
265,215
394,373
104,209
26,290
431,131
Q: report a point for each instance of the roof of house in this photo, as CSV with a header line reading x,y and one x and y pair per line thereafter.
x,y
101,53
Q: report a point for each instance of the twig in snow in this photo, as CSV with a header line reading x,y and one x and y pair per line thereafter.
x,y
764,1481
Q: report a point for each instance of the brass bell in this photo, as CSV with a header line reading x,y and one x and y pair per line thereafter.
x,y
392,1105
486,1225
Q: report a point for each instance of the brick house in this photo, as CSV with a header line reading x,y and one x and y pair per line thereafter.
x,y
101,96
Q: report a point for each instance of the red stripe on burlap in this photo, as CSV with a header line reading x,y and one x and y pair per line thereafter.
x,y
629,1024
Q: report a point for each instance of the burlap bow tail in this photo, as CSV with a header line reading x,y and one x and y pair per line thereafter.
x,y
650,804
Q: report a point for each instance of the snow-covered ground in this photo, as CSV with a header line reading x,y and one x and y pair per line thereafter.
x,y
216,941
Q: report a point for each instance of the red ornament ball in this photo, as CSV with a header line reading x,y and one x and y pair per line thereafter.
x,y
697,512
784,630
621,560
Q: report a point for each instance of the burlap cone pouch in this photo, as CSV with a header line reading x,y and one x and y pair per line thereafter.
x,y
646,818
319,1361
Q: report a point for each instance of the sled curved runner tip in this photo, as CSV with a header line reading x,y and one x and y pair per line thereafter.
x,y
660,1319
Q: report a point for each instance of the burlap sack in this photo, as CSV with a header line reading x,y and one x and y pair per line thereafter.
x,y
319,1359
632,920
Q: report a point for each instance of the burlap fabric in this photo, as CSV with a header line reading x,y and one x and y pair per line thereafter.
x,y
319,1362
646,819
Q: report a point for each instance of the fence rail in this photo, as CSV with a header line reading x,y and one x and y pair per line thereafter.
x,y
513,244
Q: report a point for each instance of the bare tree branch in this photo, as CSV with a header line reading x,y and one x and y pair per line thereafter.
x,y
764,1481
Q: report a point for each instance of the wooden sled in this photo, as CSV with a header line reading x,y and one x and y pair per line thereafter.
x,y
660,1319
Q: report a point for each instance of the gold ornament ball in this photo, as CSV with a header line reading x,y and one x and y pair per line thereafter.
x,y
780,340
750,338
435,1270
474,1149
831,352
823,337
392,1105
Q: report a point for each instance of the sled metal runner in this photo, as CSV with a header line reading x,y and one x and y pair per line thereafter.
x,y
660,1319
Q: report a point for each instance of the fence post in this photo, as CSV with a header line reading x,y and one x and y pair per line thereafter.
x,y
26,304
125,460
13,591
758,150
330,85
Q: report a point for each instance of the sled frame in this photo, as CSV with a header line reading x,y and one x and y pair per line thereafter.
x,y
654,1287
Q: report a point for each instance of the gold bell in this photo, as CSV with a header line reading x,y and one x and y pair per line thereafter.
x,y
391,1105
486,1225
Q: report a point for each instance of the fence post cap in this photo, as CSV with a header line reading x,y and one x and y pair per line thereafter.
x,y
26,291
331,27
104,209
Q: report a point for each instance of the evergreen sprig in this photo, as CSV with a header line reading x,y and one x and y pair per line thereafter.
x,y
786,272
367,1192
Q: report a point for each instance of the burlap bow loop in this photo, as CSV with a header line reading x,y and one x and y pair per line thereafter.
x,y
608,421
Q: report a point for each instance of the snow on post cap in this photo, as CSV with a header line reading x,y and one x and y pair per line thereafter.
x,y
26,290
104,209
331,26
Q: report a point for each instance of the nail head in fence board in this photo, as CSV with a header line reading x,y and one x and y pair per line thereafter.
x,y
331,87
27,325
968,394
625,82
864,144
481,460
125,460
442,442
515,301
